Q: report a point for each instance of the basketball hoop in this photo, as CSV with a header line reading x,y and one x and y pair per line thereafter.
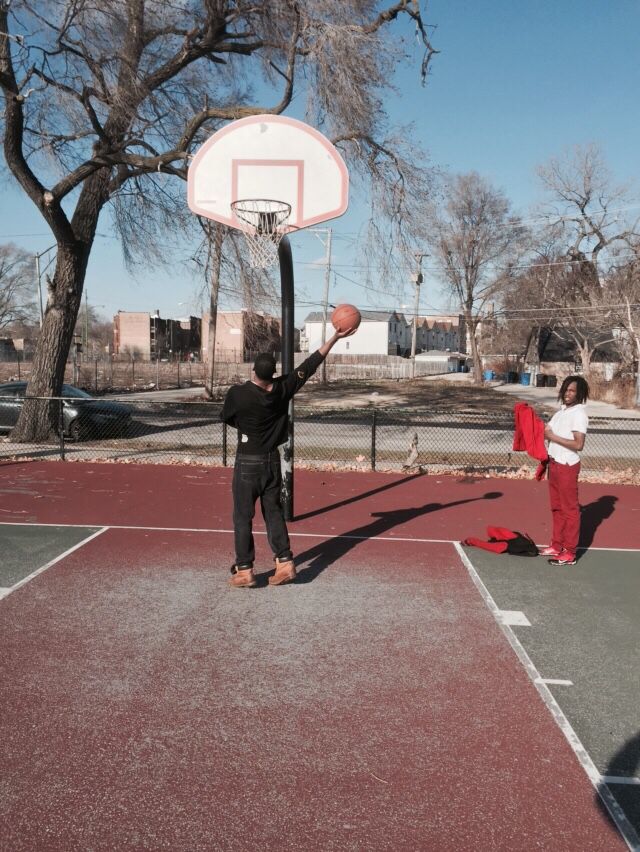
x,y
265,219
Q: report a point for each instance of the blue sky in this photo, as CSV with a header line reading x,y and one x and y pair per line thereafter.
x,y
515,83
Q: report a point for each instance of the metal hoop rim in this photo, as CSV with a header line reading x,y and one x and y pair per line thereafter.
x,y
282,210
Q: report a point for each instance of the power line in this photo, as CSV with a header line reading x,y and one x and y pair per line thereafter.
x,y
504,311
439,270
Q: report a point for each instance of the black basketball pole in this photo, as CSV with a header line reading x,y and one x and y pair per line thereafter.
x,y
286,286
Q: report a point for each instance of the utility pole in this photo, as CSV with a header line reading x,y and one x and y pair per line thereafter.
x,y
417,280
325,301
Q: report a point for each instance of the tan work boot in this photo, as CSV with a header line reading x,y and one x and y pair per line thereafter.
x,y
285,572
243,578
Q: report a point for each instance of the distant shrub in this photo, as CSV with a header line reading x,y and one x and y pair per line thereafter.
x,y
619,391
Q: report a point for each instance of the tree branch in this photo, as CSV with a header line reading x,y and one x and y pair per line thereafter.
x,y
14,138
411,8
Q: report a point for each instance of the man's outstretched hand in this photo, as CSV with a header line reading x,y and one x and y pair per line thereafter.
x,y
326,347
347,333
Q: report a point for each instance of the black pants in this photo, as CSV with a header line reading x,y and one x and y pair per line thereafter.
x,y
253,477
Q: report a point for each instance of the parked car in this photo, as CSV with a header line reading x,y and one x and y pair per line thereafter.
x,y
83,416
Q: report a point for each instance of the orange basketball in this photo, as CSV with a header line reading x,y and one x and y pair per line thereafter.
x,y
345,318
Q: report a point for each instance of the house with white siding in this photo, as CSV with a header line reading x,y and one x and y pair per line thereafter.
x,y
380,333
389,333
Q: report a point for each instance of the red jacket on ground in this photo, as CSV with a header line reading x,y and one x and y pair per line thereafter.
x,y
529,436
502,540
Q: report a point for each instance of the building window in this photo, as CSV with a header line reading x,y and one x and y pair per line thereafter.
x,y
347,342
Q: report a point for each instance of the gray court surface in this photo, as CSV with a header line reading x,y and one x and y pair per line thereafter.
x,y
24,549
585,628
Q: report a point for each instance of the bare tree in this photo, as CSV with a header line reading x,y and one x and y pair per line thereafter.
x,y
624,288
105,102
17,303
588,213
474,238
100,334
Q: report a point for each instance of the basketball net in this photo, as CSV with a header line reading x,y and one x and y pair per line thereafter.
x,y
265,219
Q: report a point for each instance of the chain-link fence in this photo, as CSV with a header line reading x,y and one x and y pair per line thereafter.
x,y
370,439
109,374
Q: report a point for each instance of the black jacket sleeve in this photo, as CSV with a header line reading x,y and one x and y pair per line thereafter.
x,y
228,412
294,380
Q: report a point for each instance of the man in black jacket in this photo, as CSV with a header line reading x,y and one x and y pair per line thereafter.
x,y
259,411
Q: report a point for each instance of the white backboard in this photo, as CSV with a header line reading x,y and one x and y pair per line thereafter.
x,y
273,157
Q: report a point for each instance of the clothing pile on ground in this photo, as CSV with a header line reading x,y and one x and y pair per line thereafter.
x,y
502,540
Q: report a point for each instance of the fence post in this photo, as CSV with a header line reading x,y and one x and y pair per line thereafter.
x,y
374,418
96,374
178,363
133,372
61,428
224,444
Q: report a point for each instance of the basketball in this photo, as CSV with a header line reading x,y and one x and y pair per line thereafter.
x,y
345,318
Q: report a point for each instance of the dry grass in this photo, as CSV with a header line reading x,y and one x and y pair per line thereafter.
x,y
457,397
621,391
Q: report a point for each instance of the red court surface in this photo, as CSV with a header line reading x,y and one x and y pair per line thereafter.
x,y
367,504
375,704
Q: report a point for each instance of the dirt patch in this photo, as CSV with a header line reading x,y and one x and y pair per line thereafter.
x,y
459,396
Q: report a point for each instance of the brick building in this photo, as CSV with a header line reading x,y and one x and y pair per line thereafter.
x,y
148,336
240,334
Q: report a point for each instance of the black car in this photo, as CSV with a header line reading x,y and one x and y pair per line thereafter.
x,y
83,416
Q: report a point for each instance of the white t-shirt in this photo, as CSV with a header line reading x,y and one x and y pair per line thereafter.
x,y
564,423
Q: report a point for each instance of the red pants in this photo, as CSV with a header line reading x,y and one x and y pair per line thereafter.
x,y
565,509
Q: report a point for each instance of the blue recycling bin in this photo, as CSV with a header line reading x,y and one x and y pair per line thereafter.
x,y
488,375
525,378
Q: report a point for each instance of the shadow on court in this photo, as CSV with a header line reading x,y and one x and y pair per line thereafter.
x,y
625,764
592,515
357,497
323,555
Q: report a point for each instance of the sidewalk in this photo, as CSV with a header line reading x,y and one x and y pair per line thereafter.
x,y
549,397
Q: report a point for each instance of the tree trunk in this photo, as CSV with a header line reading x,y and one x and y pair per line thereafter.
x,y
213,310
39,418
531,353
475,351
637,401
585,358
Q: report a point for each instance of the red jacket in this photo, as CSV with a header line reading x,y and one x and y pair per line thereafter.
x,y
529,436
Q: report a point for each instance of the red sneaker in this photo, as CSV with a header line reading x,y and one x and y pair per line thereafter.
x,y
552,551
565,558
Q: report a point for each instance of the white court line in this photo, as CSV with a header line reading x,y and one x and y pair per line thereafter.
x,y
621,779
53,561
552,681
230,532
625,828
292,533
